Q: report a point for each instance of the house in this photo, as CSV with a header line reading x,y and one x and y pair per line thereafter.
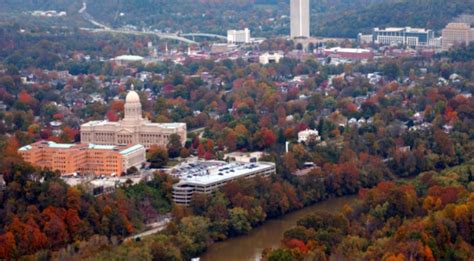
x,y
308,135
3,184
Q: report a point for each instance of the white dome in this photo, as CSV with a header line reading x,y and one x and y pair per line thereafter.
x,y
132,97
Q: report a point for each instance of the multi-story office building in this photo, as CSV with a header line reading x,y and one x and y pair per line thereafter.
x,y
300,18
238,36
84,158
133,129
408,36
208,176
457,33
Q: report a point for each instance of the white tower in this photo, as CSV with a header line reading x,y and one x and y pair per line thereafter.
x,y
300,18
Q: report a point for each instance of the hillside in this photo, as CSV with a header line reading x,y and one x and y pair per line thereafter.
x,y
419,13
263,17
335,18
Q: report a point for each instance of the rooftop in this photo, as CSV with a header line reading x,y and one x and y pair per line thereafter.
x,y
400,29
132,149
50,144
130,58
347,50
101,147
144,122
463,26
207,172
124,150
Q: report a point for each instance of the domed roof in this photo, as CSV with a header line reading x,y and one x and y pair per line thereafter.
x,y
132,97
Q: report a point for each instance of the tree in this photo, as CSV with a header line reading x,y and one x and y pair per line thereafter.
x,y
280,255
174,146
7,245
194,230
391,70
163,249
264,138
158,157
239,223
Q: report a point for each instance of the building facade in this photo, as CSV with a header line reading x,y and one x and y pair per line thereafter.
x,y
455,34
208,176
84,158
352,54
132,129
407,36
300,18
270,57
238,36
308,134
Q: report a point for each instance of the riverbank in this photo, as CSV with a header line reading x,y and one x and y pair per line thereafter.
x,y
268,235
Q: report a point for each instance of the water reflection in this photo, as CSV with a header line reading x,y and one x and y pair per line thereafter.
x,y
250,246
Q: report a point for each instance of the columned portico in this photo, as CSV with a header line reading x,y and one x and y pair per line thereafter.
x,y
132,129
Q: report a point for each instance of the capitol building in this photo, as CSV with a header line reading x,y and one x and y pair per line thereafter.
x,y
132,129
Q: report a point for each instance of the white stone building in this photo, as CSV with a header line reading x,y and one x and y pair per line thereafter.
x,y
238,36
300,18
132,129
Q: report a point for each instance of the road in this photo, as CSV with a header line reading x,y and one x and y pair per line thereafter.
x,y
105,29
154,228
160,35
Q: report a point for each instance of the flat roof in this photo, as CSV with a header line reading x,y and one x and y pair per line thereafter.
x,y
129,58
132,149
100,123
25,148
144,123
101,147
209,172
347,50
400,29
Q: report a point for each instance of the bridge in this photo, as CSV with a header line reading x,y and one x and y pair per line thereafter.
x,y
204,35
172,36
159,35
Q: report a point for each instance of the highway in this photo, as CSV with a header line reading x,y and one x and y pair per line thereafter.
x,y
131,32
172,36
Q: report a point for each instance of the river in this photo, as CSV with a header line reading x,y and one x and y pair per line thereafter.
x,y
269,235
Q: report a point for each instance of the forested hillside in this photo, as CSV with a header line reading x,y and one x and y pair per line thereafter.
x,y
434,14
430,218
341,18
263,17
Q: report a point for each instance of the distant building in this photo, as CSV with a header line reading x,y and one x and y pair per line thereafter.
x,y
353,54
270,57
306,136
3,107
124,60
456,34
406,36
219,48
132,129
83,158
300,18
3,184
244,156
238,36
208,176
49,13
